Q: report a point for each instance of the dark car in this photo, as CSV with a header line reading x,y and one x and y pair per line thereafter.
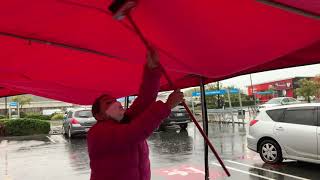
x,y
77,122
179,116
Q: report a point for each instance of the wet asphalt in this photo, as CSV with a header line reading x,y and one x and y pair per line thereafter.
x,y
174,155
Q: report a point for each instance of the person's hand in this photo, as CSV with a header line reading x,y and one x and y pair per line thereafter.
x,y
152,58
175,98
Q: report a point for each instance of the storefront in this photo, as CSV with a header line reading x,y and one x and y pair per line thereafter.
x,y
281,88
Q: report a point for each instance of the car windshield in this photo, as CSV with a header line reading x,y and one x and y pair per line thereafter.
x,y
274,101
83,114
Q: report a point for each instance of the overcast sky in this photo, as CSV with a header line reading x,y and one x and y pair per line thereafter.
x,y
302,71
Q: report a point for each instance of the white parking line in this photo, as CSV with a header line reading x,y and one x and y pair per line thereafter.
x,y
51,139
276,172
245,172
60,138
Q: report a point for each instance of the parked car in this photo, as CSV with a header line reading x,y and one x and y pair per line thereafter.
x,y
286,132
179,116
77,122
279,102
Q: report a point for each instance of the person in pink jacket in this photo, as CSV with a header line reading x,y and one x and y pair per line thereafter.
x,y
117,144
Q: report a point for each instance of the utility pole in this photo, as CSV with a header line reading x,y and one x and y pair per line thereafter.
x,y
6,107
218,86
254,97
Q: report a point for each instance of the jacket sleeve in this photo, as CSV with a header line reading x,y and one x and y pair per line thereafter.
x,y
124,135
147,93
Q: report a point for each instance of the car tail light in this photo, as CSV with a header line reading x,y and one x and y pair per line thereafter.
x,y
74,121
252,122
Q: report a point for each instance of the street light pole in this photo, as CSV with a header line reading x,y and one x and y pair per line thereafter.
x,y
218,85
6,107
254,98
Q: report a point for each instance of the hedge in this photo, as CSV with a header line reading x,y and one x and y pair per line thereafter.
x,y
37,116
22,127
57,117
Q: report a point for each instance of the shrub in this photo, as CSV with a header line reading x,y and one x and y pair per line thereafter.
x,y
37,116
2,117
3,121
23,114
57,117
21,127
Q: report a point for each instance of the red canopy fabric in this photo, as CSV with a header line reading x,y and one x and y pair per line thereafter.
x,y
73,50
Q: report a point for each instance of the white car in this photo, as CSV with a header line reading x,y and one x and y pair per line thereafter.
x,y
286,132
279,102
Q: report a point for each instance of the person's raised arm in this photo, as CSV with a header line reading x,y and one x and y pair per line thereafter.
x,y
149,87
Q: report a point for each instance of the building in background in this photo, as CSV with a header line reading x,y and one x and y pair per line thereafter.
x,y
279,88
38,105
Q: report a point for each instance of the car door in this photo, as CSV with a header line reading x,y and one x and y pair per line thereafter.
x,y
297,132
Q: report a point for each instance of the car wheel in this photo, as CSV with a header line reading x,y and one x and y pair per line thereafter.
x,y
270,152
183,126
69,133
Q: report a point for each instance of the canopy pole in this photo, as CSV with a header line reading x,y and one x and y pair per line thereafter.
x,y
170,82
205,126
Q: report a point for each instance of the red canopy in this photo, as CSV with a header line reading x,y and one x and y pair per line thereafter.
x,y
73,50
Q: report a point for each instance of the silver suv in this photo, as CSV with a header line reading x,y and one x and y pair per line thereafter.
x,y
286,132
77,122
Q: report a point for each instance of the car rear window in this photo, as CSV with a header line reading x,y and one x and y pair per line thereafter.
x,y
276,114
83,114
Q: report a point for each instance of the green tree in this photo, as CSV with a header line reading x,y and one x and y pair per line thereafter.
x,y
188,93
316,79
273,90
307,88
22,100
212,100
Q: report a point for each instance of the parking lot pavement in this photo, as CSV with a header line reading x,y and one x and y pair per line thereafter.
x,y
174,154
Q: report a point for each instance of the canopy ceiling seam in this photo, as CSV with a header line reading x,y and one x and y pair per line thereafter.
x,y
289,8
127,26
57,44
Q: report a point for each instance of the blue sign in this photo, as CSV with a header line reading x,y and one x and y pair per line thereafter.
x,y
217,92
234,91
14,104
